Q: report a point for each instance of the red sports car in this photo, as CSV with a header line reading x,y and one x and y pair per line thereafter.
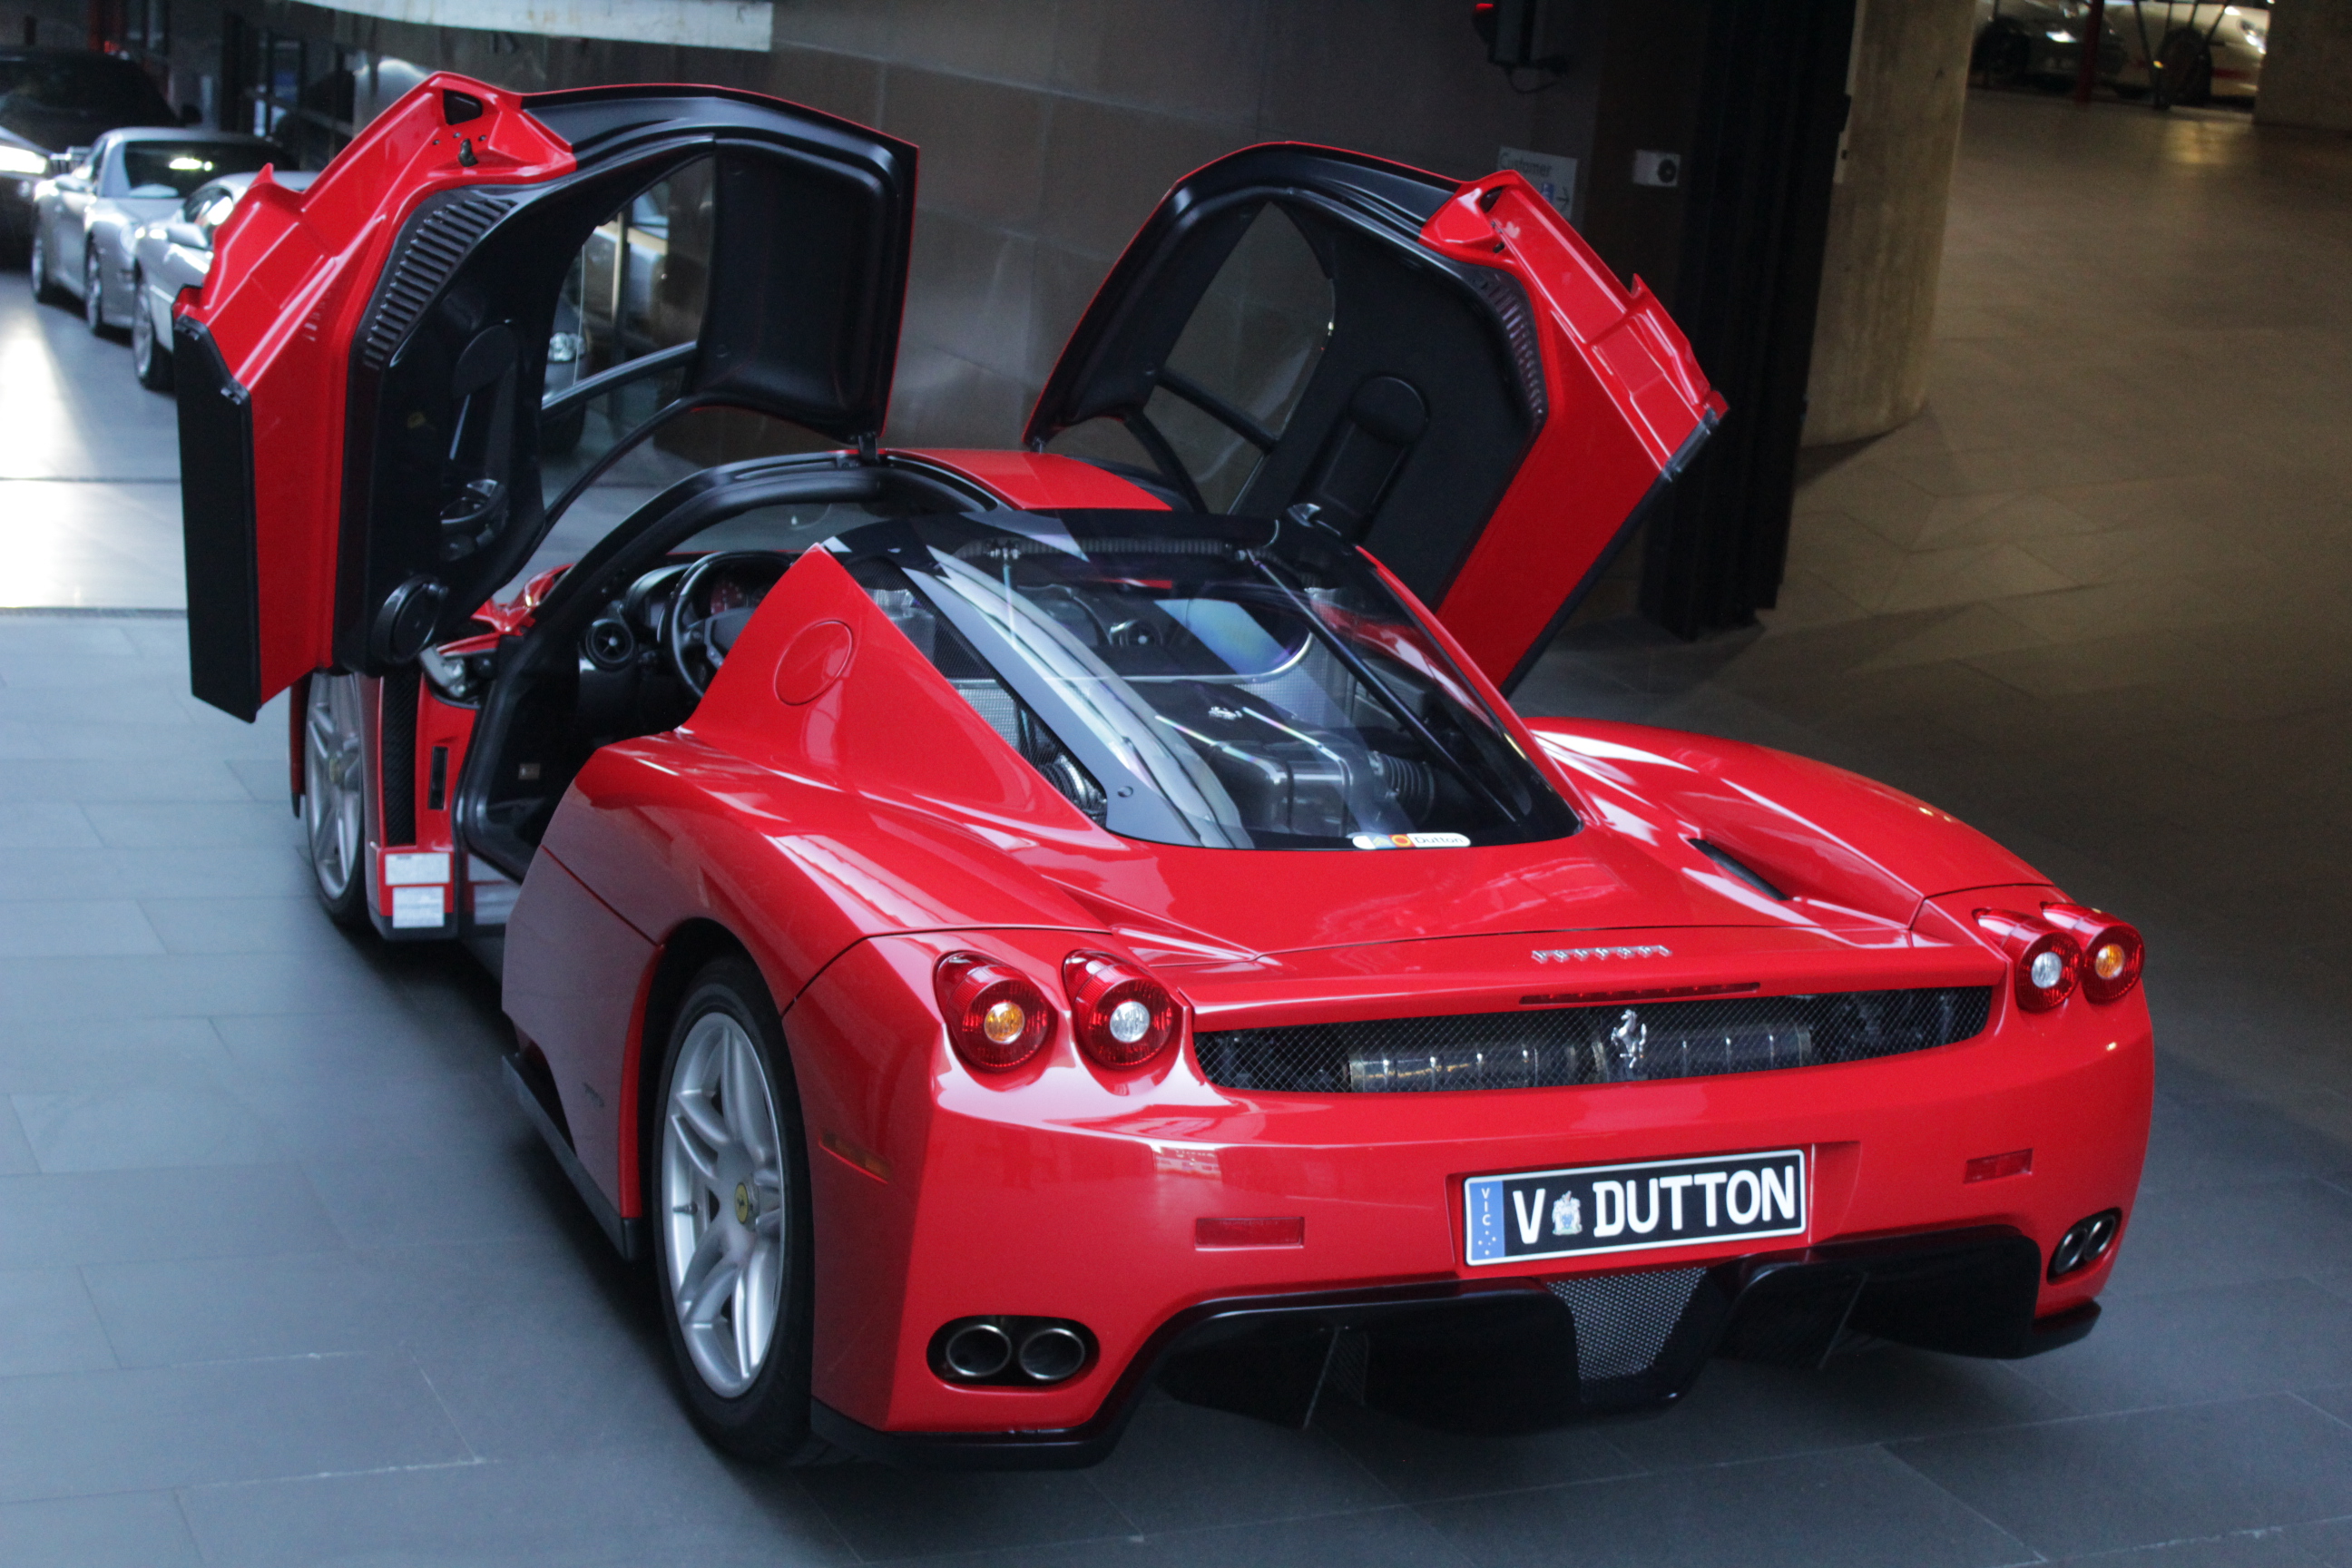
x,y
996,928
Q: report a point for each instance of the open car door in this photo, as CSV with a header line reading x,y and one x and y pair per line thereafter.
x,y
1447,373
361,378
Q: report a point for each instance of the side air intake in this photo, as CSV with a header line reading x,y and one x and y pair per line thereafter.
x,y
436,241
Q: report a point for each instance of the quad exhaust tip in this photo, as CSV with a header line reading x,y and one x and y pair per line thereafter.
x,y
2084,1243
1003,1352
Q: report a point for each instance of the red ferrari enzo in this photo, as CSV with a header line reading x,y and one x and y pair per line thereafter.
x,y
997,928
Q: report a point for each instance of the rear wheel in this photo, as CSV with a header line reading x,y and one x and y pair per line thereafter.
x,y
2003,55
93,289
150,360
730,1205
2188,68
334,796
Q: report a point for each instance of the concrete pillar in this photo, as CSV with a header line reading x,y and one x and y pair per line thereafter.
x,y
1878,318
2308,74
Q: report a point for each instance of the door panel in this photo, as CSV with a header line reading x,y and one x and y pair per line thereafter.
x,y
1458,386
386,337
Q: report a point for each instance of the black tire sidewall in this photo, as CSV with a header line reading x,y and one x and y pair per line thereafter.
x,y
769,1421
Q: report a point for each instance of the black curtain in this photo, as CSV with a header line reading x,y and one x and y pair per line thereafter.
x,y
1760,173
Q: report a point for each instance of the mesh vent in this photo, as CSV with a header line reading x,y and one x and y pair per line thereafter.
x,y
1502,292
1622,1320
1558,1047
428,253
397,723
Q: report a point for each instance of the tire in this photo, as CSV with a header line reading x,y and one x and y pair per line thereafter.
x,y
93,289
334,796
728,1195
2003,57
45,283
151,362
2188,68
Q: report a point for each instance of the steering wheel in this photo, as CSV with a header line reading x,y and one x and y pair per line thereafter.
x,y
709,637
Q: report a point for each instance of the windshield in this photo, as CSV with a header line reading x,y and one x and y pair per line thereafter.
x,y
177,168
1222,682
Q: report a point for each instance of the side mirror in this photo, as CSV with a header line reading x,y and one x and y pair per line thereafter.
x,y
190,114
187,235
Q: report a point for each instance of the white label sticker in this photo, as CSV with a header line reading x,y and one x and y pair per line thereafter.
x,y
416,869
417,906
1410,841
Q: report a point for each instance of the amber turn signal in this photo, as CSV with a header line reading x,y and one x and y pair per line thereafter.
x,y
996,1015
1122,1016
2112,949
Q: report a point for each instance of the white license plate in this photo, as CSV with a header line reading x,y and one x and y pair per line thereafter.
x,y
1584,1209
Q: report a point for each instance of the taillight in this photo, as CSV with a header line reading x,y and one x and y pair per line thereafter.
x,y
2048,963
1121,1016
996,1015
2112,950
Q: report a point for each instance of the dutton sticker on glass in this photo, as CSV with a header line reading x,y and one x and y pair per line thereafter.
x,y
1633,1208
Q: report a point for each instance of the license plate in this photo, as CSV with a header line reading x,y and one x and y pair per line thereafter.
x,y
1586,1209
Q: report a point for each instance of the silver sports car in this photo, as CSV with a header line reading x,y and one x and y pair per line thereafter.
x,y
82,218
175,253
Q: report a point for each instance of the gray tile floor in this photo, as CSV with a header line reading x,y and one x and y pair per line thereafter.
x,y
282,1280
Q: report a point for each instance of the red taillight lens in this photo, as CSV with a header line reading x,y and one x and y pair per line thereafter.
x,y
996,1015
2048,962
1121,1016
2112,950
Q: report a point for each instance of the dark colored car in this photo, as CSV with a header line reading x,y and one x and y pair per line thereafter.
x,y
54,99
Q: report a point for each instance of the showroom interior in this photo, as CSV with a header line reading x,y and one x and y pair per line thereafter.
x,y
2030,499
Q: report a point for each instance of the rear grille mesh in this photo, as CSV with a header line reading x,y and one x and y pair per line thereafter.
x,y
1561,1047
1623,1321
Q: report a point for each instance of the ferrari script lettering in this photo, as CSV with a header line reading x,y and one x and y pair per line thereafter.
x,y
1578,954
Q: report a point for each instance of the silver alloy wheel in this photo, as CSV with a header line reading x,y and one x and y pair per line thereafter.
x,y
93,291
722,1190
333,798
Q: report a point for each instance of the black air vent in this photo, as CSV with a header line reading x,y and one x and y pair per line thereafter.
x,y
1559,1046
1510,302
427,254
397,755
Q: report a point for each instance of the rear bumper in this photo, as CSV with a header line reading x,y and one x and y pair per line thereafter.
x,y
1516,1355
1051,1194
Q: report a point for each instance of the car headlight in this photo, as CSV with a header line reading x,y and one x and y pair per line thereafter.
x,y
23,161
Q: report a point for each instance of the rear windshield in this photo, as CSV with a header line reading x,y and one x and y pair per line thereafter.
x,y
1220,682
177,168
116,89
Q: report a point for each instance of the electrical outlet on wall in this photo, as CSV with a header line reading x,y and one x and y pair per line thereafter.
x,y
1655,168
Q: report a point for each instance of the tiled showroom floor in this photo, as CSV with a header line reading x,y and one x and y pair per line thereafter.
x,y
283,1280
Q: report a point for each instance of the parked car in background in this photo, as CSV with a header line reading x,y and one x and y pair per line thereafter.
x,y
82,218
55,100
172,254
2021,41
2202,52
